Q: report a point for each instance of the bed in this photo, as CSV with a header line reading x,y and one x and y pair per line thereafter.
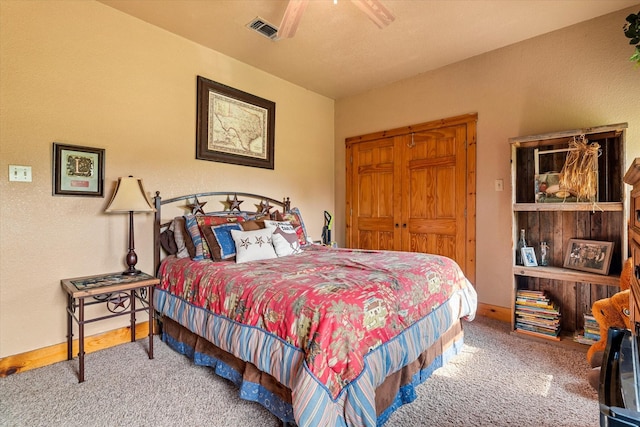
x,y
317,335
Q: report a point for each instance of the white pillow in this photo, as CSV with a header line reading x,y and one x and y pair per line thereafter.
x,y
271,223
253,245
285,238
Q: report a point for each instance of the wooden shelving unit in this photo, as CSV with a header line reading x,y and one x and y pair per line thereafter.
x,y
566,275
569,207
574,291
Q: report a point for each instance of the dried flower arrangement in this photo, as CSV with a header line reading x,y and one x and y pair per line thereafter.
x,y
580,170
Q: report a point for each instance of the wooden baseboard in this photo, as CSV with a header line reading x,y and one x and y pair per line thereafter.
x,y
58,352
494,312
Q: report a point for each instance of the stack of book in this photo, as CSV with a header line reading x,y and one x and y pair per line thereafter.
x,y
537,315
591,333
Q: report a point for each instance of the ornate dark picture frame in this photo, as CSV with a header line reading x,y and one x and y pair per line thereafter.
x,y
234,126
78,171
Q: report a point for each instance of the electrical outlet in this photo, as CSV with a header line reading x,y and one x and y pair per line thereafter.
x,y
20,173
499,185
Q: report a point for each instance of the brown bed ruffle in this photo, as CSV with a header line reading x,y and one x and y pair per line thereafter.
x,y
385,394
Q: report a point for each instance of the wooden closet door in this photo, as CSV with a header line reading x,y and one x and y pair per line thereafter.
x,y
375,195
434,192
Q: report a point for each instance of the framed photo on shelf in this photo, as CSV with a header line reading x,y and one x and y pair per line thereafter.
x,y
588,255
234,126
529,257
78,171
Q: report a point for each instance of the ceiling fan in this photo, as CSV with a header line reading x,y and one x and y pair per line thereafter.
x,y
374,9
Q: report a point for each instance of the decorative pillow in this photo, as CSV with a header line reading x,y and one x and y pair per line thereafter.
x,y
191,224
285,239
172,239
186,249
222,245
256,216
205,222
253,245
168,242
295,218
253,224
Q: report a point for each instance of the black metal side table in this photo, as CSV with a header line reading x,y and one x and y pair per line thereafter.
x,y
119,292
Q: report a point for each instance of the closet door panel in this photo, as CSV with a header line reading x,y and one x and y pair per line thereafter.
x,y
434,178
376,187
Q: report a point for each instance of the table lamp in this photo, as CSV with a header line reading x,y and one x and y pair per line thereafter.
x,y
130,197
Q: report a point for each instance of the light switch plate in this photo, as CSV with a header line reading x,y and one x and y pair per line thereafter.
x,y
19,173
499,185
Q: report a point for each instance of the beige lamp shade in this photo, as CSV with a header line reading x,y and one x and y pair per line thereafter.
x,y
130,196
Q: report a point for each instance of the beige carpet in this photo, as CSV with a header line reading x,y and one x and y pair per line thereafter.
x,y
497,380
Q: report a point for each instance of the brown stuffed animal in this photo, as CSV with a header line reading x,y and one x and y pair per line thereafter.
x,y
610,312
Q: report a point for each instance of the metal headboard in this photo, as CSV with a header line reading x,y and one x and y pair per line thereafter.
x,y
195,203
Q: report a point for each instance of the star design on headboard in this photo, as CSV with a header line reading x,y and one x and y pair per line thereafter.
x,y
196,206
264,207
226,203
232,204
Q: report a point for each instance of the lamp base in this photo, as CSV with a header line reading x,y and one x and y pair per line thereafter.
x,y
132,259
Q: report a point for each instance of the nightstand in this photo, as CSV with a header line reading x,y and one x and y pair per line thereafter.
x,y
119,292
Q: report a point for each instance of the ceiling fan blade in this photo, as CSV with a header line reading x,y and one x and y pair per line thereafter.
x,y
376,11
291,18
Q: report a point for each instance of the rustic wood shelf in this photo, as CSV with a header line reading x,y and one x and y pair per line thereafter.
x,y
559,273
572,291
568,207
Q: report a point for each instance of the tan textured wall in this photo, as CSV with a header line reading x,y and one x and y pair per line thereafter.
x,y
576,77
81,73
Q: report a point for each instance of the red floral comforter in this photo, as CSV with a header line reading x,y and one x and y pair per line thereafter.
x,y
335,305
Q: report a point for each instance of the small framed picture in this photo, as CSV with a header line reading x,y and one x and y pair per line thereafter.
x,y
78,171
529,257
588,255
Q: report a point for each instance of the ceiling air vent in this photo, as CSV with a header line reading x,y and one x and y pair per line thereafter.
x,y
263,27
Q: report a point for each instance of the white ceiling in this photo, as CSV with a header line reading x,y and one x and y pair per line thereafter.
x,y
337,51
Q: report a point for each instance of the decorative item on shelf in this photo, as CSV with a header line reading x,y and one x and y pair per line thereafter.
x,y
588,255
522,243
130,196
549,190
544,254
529,257
578,179
580,170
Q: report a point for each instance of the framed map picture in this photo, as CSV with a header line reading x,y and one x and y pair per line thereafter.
x,y
78,171
234,126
